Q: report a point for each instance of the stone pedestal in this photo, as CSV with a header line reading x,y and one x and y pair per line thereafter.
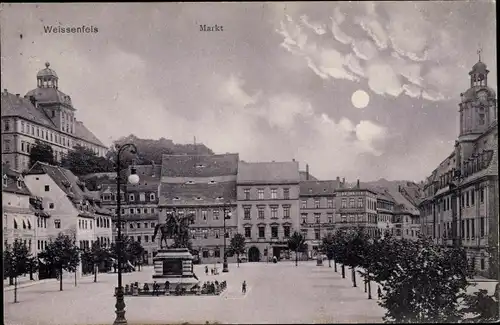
x,y
174,265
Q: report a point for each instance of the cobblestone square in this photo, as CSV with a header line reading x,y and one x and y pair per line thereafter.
x,y
276,293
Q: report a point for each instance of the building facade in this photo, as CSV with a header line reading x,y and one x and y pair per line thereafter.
x,y
385,215
204,187
357,208
460,206
44,114
19,220
317,211
72,208
268,207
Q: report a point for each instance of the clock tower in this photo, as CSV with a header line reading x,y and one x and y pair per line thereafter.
x,y
477,110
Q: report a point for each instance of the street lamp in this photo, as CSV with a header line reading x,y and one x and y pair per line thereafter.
x,y
133,179
227,215
319,259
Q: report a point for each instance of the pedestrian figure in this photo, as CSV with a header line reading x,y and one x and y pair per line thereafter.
x,y
244,287
155,289
379,293
206,270
212,271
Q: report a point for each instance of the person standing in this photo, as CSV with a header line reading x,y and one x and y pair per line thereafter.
x,y
244,287
379,292
206,269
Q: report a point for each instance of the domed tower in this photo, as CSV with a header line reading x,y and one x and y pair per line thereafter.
x,y
477,109
55,104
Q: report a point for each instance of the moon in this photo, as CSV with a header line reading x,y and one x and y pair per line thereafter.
x,y
360,99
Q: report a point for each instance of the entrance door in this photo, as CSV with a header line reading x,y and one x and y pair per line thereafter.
x,y
277,252
253,254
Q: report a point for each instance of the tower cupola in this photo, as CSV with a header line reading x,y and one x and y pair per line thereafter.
x,y
47,78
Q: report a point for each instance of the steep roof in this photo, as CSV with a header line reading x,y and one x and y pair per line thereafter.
x,y
22,107
197,194
318,188
48,95
11,177
83,133
305,177
268,172
199,165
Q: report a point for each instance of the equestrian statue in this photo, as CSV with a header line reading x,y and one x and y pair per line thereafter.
x,y
176,227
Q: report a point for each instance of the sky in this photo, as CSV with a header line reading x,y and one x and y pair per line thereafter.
x,y
276,83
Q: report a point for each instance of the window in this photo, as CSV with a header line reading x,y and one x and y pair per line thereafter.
x,y
286,212
286,193
462,229
274,213
316,234
304,233
262,232
473,228
330,217
47,188
343,218
247,193
329,203
217,252
132,210
138,225
22,126
360,203
274,232
131,226
57,224
303,204
90,222
472,197
482,227
6,125
6,145
261,212
51,205
274,193
248,232
145,225
344,203
482,264
246,213
260,193
316,203
152,197
139,239
216,214
286,231
481,194
131,197
304,218
204,215
351,203
153,224
317,217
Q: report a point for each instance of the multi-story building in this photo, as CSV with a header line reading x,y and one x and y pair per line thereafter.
x,y
460,206
73,209
385,214
18,216
268,206
317,211
406,215
203,186
139,207
356,208
45,114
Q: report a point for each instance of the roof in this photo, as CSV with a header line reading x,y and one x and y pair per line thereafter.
x,y
83,133
12,177
197,194
199,165
47,72
404,203
22,107
318,188
49,95
479,67
268,172
305,177
470,94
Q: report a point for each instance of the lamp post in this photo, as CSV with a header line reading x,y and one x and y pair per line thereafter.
x,y
227,215
133,179
319,259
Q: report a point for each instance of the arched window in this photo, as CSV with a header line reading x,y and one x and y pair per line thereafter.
x,y
15,224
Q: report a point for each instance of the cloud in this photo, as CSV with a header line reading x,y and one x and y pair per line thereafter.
x,y
338,16
383,80
364,49
318,28
374,30
352,62
412,90
338,34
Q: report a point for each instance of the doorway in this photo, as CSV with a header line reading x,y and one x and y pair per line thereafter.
x,y
253,254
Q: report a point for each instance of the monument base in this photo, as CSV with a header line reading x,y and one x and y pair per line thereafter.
x,y
174,265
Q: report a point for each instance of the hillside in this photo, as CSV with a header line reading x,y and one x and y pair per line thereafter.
x,y
150,150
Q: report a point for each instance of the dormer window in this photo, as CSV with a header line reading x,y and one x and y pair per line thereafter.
x,y
176,198
4,180
220,198
200,166
19,182
190,182
198,198
212,182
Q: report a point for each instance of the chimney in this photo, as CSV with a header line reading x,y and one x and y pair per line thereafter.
x,y
17,95
307,172
357,183
343,180
338,179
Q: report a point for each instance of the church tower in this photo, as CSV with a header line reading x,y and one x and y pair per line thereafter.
x,y
477,111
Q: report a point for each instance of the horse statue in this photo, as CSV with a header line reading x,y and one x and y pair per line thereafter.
x,y
175,226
